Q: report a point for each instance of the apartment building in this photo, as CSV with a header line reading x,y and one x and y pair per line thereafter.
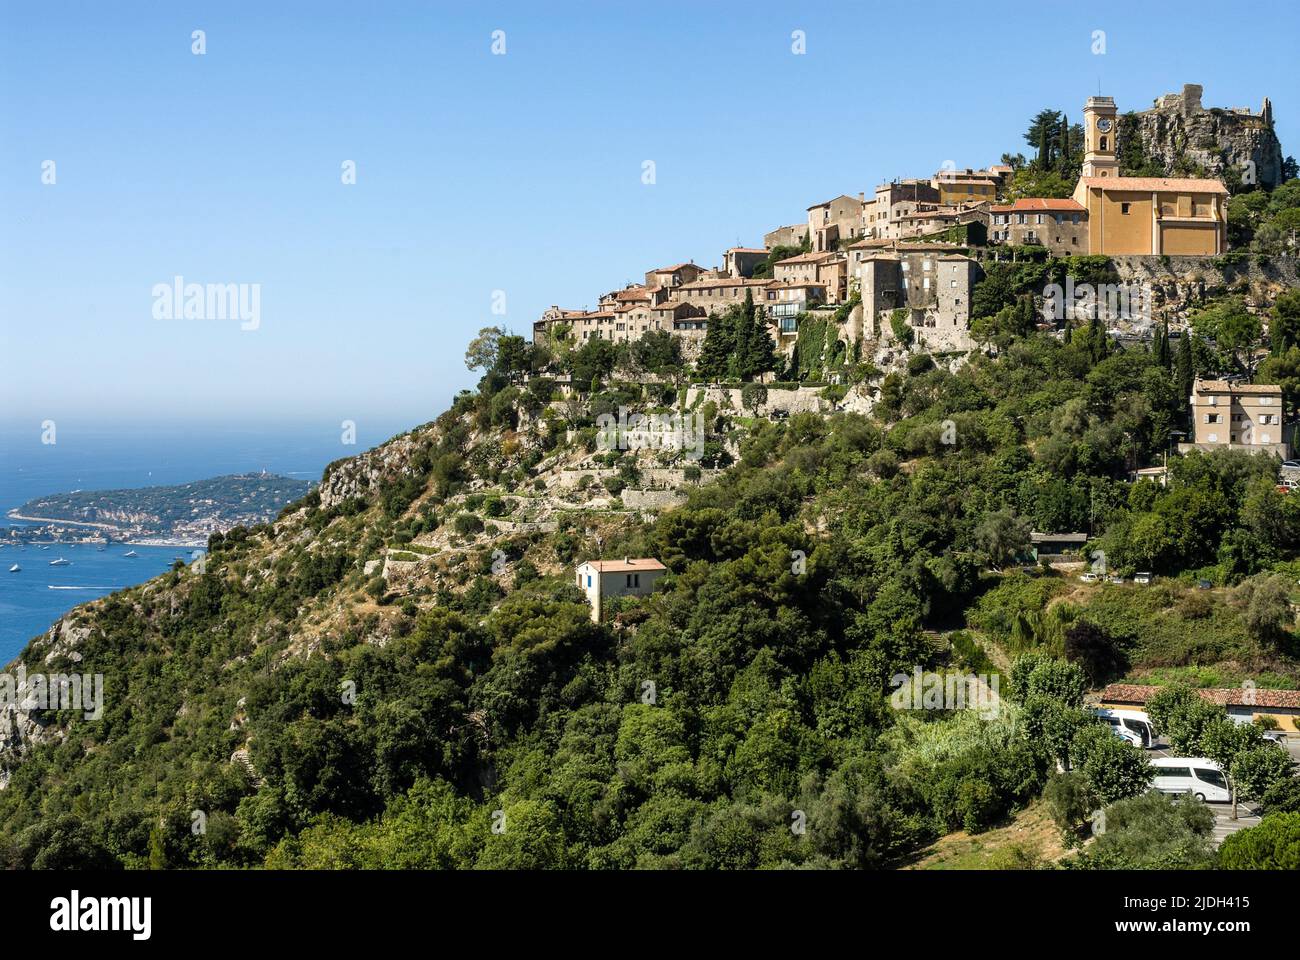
x,y
1238,416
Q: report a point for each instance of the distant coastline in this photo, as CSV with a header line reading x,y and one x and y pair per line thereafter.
x,y
133,541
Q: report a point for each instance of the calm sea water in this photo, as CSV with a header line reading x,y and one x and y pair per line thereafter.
x,y
114,457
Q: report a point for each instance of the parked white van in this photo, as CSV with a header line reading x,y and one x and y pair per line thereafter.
x,y
1195,775
1133,721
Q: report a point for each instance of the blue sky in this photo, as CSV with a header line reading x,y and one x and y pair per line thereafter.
x,y
476,172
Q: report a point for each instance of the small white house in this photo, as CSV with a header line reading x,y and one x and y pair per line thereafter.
x,y
631,576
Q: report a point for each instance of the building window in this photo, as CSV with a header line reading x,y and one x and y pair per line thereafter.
x,y
633,580
588,580
1123,208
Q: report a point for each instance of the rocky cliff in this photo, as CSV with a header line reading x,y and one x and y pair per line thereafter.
x,y
1179,134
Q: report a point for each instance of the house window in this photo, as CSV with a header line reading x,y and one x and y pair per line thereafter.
x,y
588,580
952,283
1123,208
633,580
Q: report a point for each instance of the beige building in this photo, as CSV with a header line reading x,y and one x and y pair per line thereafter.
x,y
1238,416
603,580
718,294
965,186
802,268
835,220
1144,216
882,215
1059,225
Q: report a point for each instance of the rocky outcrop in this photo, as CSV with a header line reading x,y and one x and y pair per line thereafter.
x,y
1226,143
364,474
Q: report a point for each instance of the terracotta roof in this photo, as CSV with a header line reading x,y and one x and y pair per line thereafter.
x,y
626,565
1233,696
633,293
675,267
1040,203
1186,185
1222,386
746,250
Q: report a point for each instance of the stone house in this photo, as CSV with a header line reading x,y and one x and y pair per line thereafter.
x,y
1059,225
741,261
673,276
835,220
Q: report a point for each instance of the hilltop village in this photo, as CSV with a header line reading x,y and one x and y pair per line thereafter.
x,y
902,263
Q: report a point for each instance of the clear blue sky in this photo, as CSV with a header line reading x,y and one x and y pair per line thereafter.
x,y
477,172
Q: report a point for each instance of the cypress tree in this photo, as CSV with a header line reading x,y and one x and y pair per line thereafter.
x,y
718,348
1184,369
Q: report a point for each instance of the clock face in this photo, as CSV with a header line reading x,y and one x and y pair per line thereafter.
x,y
1103,124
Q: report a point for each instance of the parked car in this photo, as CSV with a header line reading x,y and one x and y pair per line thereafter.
x,y
1142,578
1089,577
1114,578
1293,464
1198,776
1276,736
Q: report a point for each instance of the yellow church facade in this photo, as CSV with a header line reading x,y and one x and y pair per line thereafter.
x,y
1144,216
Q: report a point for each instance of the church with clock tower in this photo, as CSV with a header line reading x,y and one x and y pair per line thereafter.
x,y
1144,216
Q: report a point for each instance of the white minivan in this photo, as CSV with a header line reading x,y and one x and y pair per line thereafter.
x,y
1133,722
1195,775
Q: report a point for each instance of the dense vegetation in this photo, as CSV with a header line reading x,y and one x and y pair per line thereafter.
x,y
740,716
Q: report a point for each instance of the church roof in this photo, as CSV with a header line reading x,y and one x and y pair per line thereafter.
x,y
1168,184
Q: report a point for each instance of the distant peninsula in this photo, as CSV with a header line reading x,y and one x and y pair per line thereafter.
x,y
184,514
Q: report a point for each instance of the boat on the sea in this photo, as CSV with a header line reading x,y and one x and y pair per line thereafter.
x,y
15,568
60,562
130,553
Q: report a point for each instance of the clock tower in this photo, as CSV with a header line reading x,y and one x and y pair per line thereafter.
x,y
1099,123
